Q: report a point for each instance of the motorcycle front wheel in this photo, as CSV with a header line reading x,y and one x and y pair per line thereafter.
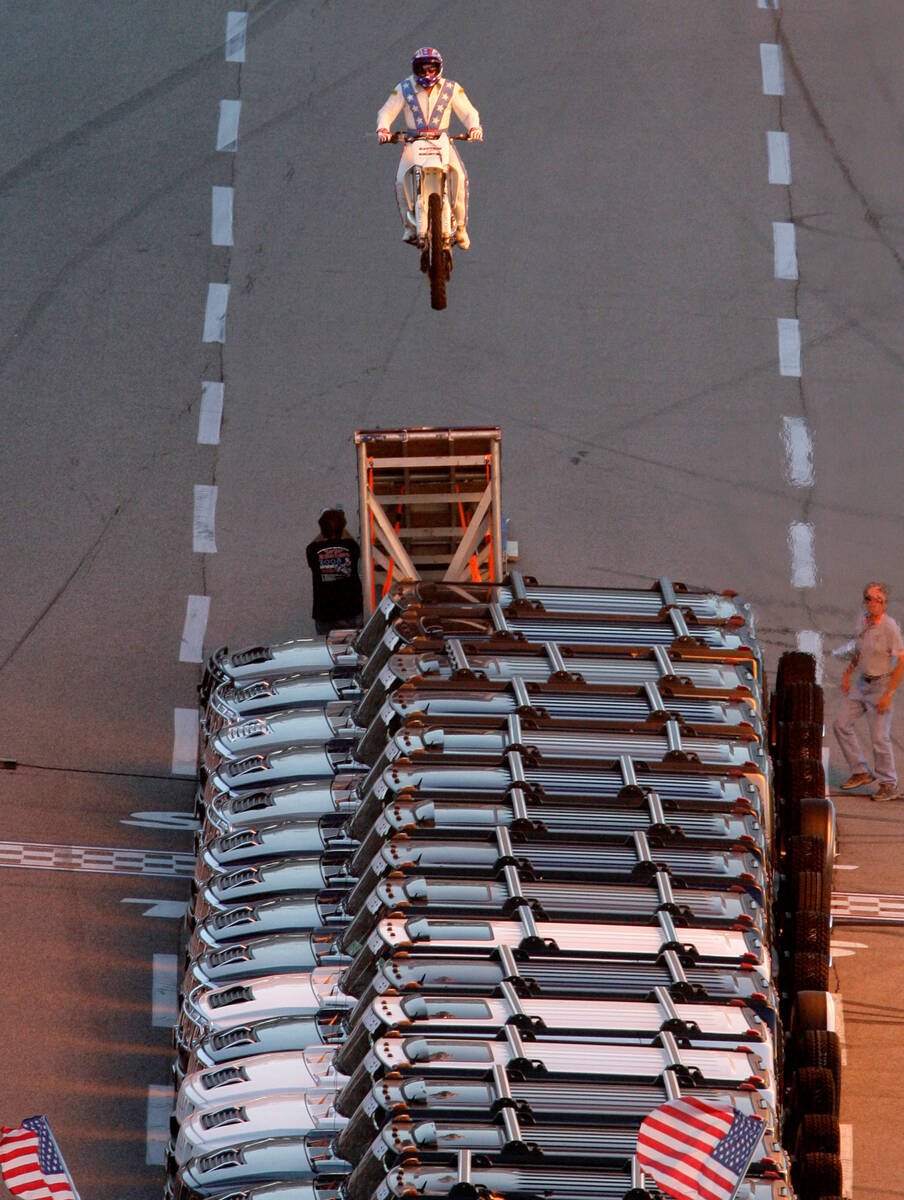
x,y
437,262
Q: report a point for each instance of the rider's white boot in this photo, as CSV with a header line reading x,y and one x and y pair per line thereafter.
x,y
461,238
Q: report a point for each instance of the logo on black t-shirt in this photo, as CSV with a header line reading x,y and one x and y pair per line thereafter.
x,y
335,564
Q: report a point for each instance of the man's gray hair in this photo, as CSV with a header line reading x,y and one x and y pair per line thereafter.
x,y
877,583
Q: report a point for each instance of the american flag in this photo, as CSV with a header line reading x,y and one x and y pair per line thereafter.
x,y
31,1164
695,1150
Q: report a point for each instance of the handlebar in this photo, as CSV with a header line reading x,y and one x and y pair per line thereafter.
x,y
414,135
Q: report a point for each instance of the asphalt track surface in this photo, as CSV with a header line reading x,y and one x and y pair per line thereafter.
x,y
617,316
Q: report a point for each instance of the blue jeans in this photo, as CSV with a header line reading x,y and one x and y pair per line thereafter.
x,y
862,700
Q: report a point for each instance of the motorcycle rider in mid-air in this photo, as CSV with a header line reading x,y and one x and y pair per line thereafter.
x,y
428,101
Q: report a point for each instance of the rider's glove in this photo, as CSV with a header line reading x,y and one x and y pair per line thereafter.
x,y
475,134
384,135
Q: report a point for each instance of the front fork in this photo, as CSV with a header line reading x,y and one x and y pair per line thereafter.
x,y
426,184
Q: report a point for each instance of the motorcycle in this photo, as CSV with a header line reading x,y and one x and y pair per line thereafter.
x,y
426,157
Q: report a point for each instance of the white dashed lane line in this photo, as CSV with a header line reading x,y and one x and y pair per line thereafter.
x,y
160,1105
789,346
211,415
204,519
799,472
185,741
221,204
197,610
215,312
795,435
798,447
803,555
784,250
847,1158
778,148
164,991
236,33
164,1002
772,68
228,125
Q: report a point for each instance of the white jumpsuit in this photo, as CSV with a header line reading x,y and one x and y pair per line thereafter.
x,y
462,107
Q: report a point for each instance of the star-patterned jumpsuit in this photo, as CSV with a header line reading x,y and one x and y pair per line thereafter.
x,y
462,107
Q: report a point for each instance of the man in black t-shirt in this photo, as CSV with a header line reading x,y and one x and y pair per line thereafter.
x,y
333,559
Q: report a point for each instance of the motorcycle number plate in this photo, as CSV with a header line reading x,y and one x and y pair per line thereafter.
x,y
427,154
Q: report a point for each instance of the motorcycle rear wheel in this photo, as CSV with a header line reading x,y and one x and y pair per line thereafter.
x,y
437,262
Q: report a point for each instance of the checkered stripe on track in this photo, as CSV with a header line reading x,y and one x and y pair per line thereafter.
x,y
37,856
857,907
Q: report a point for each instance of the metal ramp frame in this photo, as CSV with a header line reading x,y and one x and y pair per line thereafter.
x,y
430,506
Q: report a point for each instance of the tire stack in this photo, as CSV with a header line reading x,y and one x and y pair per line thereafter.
x,y
807,839
497,882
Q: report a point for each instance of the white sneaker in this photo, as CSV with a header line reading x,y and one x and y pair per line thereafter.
x,y
462,240
409,235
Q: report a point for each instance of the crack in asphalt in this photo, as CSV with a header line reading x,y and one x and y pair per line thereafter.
x,y
381,372
272,11
869,214
46,295
704,473
61,590
14,764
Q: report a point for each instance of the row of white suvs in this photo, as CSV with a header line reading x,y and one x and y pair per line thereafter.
x,y
479,886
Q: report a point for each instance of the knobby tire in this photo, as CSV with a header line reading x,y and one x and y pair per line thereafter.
x,y
437,263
